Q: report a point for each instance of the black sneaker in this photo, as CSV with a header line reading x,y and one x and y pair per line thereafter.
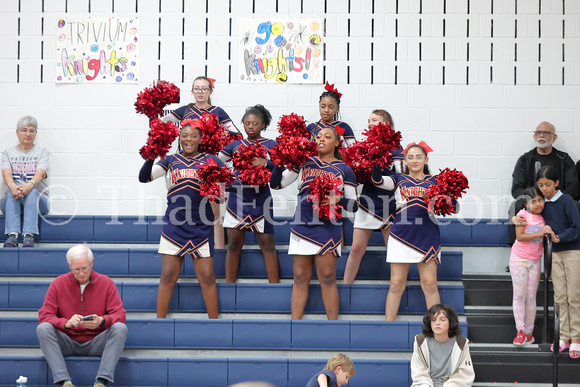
x,y
12,241
28,240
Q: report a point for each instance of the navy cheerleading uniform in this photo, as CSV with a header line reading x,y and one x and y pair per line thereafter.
x,y
190,112
311,235
188,220
415,234
249,206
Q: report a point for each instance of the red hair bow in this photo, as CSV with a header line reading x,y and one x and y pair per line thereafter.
x,y
330,87
194,123
422,144
211,81
339,130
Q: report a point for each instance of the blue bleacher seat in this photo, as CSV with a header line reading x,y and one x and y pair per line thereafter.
x,y
282,229
379,335
154,228
262,334
4,294
347,230
144,262
67,228
140,371
124,229
390,373
252,265
286,264
314,304
300,371
48,261
319,335
198,333
146,333
453,295
27,295
88,228
191,300
197,372
9,261
18,332
489,234
111,261
271,298
366,298
454,233
274,371
143,297
33,367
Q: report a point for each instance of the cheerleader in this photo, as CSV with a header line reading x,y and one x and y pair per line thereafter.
x,y
250,207
188,221
415,233
376,207
329,106
202,90
315,240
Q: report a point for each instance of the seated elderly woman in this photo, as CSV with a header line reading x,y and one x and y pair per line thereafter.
x,y
24,169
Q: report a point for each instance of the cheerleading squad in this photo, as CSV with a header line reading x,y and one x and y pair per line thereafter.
x,y
393,201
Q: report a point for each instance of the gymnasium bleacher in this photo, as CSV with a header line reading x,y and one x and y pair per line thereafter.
x,y
254,338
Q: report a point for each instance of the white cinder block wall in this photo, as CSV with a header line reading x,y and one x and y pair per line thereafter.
x,y
472,78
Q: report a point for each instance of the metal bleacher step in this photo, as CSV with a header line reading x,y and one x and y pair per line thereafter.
x,y
265,343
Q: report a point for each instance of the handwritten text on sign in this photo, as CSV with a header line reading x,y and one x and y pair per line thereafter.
x,y
97,50
281,50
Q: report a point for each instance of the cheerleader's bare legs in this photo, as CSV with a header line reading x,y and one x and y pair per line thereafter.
x,y
303,267
206,276
397,286
360,241
235,244
428,276
268,247
398,283
218,228
326,272
170,270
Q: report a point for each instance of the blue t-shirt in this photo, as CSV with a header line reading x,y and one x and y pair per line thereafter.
x,y
331,378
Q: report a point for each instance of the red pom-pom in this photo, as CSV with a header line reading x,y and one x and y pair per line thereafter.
x,y
293,146
210,176
320,189
292,125
377,149
250,174
292,151
355,156
231,137
161,136
152,100
451,185
213,136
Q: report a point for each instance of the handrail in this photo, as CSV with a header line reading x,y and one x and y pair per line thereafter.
x,y
556,344
547,272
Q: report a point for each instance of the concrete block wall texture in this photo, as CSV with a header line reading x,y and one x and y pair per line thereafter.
x,y
472,78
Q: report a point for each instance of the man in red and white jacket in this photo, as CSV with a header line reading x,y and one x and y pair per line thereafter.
x,y
82,315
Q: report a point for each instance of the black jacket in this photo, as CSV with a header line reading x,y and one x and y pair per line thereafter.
x,y
525,171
